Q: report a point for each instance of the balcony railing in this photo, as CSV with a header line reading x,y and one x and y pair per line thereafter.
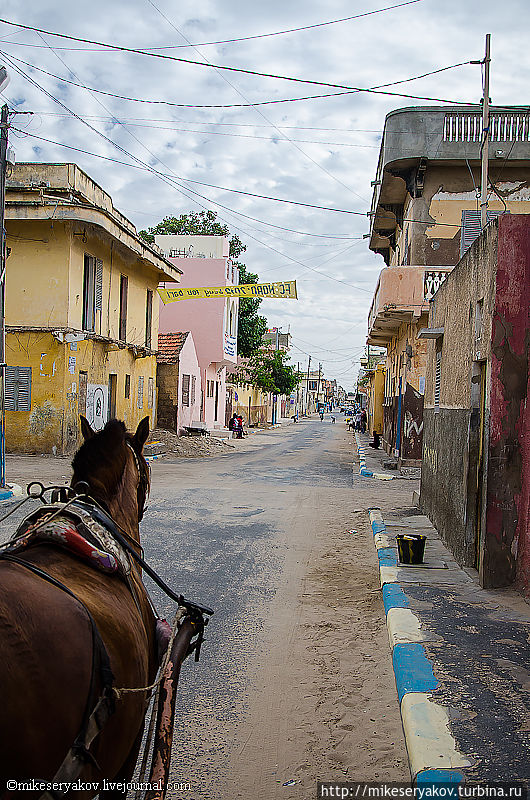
x,y
432,280
504,127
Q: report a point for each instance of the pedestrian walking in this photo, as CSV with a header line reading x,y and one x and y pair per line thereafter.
x,y
364,420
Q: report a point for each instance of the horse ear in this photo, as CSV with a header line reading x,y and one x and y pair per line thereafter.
x,y
142,432
86,430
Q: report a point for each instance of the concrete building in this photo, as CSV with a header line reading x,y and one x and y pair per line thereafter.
x,y
475,484
424,217
204,261
81,310
178,382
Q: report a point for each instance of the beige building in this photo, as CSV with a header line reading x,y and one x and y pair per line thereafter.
x,y
81,310
424,217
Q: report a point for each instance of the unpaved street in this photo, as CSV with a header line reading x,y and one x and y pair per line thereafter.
x,y
295,680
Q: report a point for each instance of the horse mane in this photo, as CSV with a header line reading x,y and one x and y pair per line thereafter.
x,y
100,461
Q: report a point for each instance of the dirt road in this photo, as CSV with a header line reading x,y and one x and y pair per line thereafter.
x,y
296,682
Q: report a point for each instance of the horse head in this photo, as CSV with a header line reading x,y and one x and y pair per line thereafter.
x,y
112,464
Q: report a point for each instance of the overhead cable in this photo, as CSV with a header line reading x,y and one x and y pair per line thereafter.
x,y
240,70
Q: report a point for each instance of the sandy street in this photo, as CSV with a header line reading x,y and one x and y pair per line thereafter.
x,y
296,680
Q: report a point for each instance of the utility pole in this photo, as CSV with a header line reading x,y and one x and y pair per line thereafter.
x,y
3,166
485,137
297,390
318,384
307,387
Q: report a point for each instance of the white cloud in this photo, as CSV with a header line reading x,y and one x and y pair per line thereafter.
x,y
329,320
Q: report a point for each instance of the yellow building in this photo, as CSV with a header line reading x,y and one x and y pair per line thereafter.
x,y
376,398
81,310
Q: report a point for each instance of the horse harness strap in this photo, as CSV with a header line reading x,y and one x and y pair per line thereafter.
x,y
93,720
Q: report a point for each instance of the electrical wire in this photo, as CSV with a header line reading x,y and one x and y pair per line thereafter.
x,y
182,105
259,35
240,70
147,168
258,111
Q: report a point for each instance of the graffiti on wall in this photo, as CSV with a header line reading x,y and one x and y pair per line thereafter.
x,y
412,423
97,404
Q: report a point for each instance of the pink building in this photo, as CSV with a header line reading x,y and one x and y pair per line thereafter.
x,y
213,322
178,381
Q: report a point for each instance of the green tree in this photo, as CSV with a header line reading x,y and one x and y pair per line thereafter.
x,y
267,369
251,326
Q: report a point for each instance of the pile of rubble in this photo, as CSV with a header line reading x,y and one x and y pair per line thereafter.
x,y
166,442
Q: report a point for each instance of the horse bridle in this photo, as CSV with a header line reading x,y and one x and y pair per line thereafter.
x,y
142,491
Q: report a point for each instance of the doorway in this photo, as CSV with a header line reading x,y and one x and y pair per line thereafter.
x,y
113,384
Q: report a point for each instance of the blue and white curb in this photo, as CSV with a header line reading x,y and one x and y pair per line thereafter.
x,y
432,751
154,458
367,473
10,491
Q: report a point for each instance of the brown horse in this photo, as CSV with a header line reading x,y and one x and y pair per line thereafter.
x,y
46,638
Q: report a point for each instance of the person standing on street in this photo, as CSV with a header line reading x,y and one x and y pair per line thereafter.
x,y
364,420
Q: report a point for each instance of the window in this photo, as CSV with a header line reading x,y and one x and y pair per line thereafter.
x,y
89,293
141,391
313,386
124,285
185,390
209,388
148,317
437,380
127,387
193,382
150,392
471,229
18,388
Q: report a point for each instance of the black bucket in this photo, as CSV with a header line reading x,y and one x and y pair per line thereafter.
x,y
411,547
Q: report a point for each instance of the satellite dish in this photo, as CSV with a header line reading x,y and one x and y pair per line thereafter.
x,y
4,78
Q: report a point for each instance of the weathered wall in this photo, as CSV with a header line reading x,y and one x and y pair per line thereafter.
x,y
167,382
447,191
444,479
406,362
507,537
56,401
449,481
484,309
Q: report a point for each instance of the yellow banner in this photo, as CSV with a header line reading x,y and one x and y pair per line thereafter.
x,y
285,290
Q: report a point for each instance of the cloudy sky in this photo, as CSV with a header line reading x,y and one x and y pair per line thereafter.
x,y
198,124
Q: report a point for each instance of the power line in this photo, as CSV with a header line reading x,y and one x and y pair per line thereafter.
x,y
240,70
258,111
260,35
147,168
290,30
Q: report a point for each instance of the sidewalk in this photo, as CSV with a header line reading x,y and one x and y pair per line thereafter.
x,y
461,657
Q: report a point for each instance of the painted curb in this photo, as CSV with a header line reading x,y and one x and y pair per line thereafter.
x,y
363,470
155,458
433,756
12,490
